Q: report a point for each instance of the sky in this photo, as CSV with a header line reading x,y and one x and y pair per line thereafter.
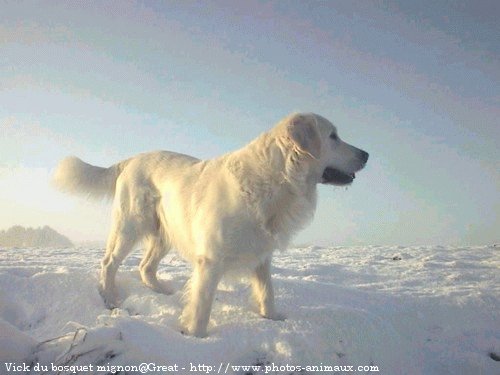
x,y
416,84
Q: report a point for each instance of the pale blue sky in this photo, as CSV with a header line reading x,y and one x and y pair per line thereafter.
x,y
416,84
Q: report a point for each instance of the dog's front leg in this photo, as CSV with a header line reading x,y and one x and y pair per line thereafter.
x,y
200,293
263,292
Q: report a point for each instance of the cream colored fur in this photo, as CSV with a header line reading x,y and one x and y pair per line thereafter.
x,y
225,215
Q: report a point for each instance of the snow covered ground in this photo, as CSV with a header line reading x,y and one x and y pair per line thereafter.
x,y
398,310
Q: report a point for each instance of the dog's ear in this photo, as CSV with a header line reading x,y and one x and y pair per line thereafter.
x,y
303,131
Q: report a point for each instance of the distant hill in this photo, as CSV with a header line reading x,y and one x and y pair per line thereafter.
x,y
18,236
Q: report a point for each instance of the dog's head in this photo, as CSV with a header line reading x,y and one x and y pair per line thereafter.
x,y
334,161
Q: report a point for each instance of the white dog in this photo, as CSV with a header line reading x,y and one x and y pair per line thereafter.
x,y
225,214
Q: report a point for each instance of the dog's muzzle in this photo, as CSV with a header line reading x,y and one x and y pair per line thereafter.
x,y
336,177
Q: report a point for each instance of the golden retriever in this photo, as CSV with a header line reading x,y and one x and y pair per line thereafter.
x,y
225,215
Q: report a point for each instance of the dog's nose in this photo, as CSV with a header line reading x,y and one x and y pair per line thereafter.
x,y
364,156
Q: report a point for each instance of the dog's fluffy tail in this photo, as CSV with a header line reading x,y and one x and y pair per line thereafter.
x,y
74,176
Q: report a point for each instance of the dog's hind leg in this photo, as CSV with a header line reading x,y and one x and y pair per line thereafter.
x,y
155,248
120,242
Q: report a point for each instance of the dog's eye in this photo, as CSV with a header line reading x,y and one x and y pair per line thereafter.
x,y
334,136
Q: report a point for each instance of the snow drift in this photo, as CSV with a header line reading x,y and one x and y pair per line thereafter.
x,y
388,310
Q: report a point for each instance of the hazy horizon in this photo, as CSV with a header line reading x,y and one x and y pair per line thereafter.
x,y
414,84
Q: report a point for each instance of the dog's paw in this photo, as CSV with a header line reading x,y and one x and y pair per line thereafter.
x,y
162,287
158,286
199,333
191,330
190,326
110,304
274,316
109,298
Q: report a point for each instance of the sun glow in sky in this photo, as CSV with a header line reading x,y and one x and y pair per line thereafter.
x,y
416,84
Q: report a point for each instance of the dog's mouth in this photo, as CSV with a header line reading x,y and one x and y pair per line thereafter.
x,y
334,176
